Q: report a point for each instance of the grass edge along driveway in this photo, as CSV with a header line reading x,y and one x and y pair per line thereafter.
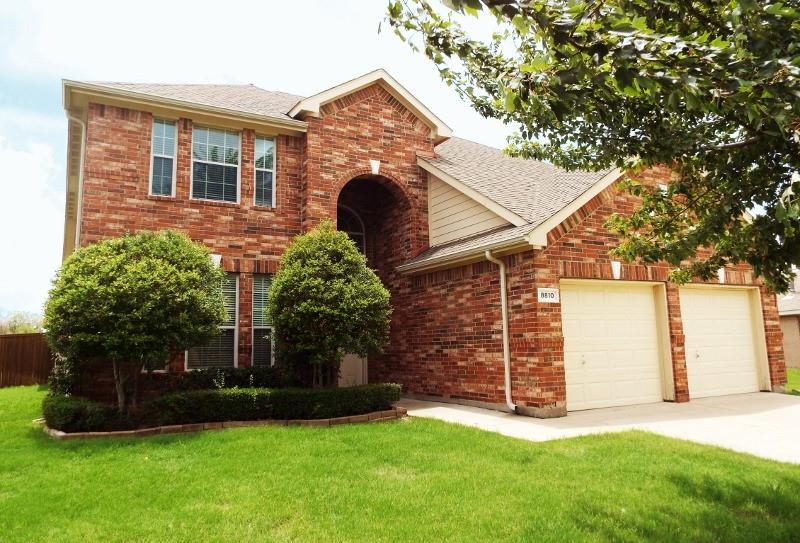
x,y
414,480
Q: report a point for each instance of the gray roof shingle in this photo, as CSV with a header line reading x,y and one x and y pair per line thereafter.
x,y
531,189
241,98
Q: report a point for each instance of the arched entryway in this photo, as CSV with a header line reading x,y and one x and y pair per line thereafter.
x,y
378,216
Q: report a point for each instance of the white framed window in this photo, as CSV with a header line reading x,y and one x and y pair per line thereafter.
x,y
263,341
222,350
265,172
215,164
162,158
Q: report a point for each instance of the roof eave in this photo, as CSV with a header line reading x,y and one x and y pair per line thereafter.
x,y
473,254
70,86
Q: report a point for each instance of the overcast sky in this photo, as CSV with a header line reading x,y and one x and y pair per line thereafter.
x,y
297,47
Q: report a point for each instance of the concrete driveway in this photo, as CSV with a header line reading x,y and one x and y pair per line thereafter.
x,y
762,423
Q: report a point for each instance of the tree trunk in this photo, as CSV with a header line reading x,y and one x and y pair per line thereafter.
x,y
119,383
126,381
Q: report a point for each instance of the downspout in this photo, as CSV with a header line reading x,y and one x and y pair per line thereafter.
x,y
79,202
504,310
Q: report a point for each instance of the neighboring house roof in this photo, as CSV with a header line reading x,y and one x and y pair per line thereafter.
x,y
789,304
241,98
530,189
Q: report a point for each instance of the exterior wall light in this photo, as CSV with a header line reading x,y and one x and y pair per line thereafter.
x,y
216,259
616,268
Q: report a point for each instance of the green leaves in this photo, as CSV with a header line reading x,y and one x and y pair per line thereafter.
x,y
325,301
711,87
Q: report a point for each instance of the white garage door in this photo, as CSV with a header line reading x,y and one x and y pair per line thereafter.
x,y
720,347
611,348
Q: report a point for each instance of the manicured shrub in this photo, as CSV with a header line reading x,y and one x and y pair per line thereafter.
x,y
325,301
72,414
132,301
216,378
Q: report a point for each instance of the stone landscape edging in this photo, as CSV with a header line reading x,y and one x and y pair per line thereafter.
x,y
376,416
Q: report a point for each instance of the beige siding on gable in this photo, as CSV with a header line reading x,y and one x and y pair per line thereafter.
x,y
454,215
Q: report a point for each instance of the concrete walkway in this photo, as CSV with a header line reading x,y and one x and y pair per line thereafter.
x,y
763,424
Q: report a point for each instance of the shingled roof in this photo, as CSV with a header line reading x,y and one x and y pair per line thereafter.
x,y
240,98
531,189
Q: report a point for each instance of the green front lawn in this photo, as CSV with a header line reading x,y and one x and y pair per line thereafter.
x,y
793,380
415,480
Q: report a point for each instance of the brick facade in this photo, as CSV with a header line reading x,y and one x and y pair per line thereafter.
x,y
446,326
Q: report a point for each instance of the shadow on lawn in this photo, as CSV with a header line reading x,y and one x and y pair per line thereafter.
x,y
711,510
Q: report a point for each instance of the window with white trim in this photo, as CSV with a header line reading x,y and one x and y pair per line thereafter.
x,y
215,164
263,353
162,161
221,350
265,171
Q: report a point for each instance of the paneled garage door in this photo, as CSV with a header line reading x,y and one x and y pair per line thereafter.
x,y
611,347
720,347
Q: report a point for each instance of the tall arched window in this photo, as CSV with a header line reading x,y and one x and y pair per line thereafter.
x,y
351,224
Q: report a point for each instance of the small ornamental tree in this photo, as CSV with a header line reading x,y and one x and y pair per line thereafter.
x,y
134,301
324,302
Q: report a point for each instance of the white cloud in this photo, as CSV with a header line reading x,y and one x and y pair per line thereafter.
x,y
31,224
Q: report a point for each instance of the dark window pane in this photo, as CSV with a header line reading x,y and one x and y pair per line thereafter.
x,y
263,188
262,347
214,182
162,176
217,353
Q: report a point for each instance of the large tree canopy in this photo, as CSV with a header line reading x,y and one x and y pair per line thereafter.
x,y
710,88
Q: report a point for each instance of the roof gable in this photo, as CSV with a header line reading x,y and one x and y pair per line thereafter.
x,y
529,189
311,106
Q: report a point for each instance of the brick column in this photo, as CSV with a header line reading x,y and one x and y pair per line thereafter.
x,y
677,341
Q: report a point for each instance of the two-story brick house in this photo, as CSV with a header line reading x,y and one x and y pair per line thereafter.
x,y
503,291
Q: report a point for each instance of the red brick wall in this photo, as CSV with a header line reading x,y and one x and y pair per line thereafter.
x,y
452,336
310,173
446,328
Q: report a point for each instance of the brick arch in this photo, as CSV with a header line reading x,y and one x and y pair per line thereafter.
x,y
389,181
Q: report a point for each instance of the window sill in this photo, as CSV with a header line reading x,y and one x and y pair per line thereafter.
x,y
215,203
160,198
265,208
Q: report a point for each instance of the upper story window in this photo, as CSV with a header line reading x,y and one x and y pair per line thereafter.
x,y
162,164
265,171
215,164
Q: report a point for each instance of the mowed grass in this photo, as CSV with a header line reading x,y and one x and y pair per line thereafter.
x,y
793,380
415,480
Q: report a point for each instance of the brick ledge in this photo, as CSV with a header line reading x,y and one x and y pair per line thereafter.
x,y
376,416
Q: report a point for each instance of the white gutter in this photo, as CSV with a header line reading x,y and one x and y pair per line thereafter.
x,y
504,309
79,202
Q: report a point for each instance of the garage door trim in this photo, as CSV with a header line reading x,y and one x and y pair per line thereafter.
x,y
662,326
757,322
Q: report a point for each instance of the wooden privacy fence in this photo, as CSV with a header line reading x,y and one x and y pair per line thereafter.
x,y
25,359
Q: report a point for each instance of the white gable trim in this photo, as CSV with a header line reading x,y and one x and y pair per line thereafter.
x,y
538,236
310,106
489,204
